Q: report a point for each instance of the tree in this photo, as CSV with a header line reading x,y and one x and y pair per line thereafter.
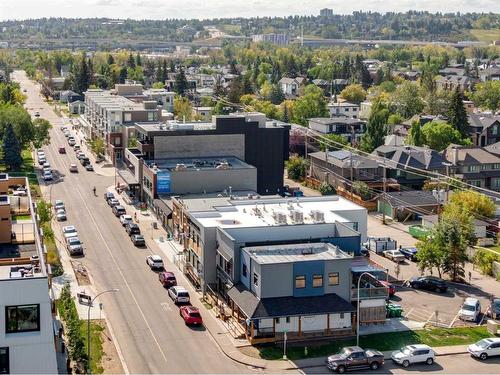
x,y
183,110
110,59
98,146
415,136
311,104
457,115
326,189
44,211
438,102
20,120
438,135
406,100
354,93
138,61
159,72
276,96
334,142
235,90
131,61
487,95
158,85
41,134
82,76
181,83
362,189
296,167
430,256
123,74
475,203
376,128
11,149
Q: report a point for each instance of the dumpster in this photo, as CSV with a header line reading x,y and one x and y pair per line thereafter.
x,y
394,311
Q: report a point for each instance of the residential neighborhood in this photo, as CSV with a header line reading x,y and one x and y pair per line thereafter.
x,y
242,196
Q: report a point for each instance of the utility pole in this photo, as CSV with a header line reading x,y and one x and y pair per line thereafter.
x,y
384,181
352,173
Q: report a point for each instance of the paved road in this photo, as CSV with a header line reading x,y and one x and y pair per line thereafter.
x,y
452,364
150,334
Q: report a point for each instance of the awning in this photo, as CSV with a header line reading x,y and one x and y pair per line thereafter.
x,y
253,308
127,176
163,206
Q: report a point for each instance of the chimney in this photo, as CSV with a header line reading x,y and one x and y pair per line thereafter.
x,y
454,156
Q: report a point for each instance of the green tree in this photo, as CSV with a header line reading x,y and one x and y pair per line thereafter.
x,y
457,115
438,135
430,256
354,93
415,136
406,100
181,83
82,76
276,95
296,167
326,189
395,119
362,189
332,142
484,260
11,149
473,202
98,146
44,211
376,128
131,61
41,135
158,85
183,110
311,104
487,95
235,91
20,119
438,103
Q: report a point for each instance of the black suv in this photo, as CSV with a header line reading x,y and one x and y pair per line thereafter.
x,y
431,283
132,228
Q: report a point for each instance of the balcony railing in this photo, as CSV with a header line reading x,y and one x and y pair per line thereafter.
x,y
369,293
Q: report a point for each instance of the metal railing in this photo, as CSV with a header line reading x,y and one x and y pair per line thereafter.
x,y
369,293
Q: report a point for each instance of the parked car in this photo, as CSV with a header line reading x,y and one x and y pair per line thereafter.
x,y
494,309
71,141
178,294
355,358
138,240
125,219
108,195
191,315
62,149
485,348
42,160
113,202
76,147
61,215
46,165
411,354
69,231
47,176
394,255
37,114
428,283
470,310
390,287
364,251
89,167
84,161
75,246
167,279
119,210
410,253
154,262
63,128
59,205
132,228
73,168
80,155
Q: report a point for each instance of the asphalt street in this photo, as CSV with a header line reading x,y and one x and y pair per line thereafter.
x,y
150,333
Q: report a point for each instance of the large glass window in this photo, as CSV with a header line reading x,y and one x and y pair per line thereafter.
x,y
317,281
23,318
300,282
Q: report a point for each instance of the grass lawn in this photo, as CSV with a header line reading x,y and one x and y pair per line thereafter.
x,y
21,217
486,35
384,342
96,352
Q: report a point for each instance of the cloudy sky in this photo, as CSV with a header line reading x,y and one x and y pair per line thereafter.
x,y
161,9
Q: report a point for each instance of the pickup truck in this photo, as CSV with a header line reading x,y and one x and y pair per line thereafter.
x,y
355,358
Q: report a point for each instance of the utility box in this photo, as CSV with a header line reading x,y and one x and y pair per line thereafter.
x,y
379,245
492,326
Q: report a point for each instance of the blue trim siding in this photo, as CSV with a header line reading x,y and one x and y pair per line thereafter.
x,y
308,269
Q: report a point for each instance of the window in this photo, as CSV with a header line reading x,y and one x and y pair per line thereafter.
x,y
341,315
151,116
277,320
317,281
473,168
24,318
333,278
4,361
288,319
255,279
476,183
300,282
244,270
128,117
494,130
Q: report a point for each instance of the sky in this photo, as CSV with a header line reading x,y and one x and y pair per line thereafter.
x,y
202,9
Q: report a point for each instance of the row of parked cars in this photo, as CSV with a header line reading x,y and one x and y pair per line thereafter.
x,y
80,155
127,222
190,314
73,243
355,358
46,168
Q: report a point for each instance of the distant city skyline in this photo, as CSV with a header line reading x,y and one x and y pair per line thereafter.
x,y
187,9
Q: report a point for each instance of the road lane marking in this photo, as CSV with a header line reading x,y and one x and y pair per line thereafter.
x,y
166,306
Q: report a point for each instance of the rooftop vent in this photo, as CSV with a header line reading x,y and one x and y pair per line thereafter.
x,y
318,216
279,218
180,167
297,216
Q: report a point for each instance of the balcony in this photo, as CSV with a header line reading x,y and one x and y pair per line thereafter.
x,y
145,147
369,293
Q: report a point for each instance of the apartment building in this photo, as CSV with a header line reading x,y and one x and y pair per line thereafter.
x,y
247,143
211,229
350,128
273,38
346,109
110,114
27,340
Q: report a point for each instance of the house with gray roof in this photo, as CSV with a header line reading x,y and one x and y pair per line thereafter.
x,y
452,82
484,129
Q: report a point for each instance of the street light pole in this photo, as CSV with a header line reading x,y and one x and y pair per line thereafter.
x,y
88,324
357,309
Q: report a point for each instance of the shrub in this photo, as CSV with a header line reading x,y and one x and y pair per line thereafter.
x,y
484,260
326,189
296,168
361,188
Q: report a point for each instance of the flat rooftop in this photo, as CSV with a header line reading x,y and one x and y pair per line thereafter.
x,y
173,126
265,212
19,261
295,253
197,164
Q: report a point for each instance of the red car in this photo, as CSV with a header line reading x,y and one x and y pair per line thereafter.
x,y
191,315
62,150
389,286
167,279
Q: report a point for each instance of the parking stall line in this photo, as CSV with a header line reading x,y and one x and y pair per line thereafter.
x,y
454,319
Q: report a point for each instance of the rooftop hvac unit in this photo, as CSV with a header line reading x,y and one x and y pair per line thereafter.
x,y
223,165
279,218
297,216
318,216
180,167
